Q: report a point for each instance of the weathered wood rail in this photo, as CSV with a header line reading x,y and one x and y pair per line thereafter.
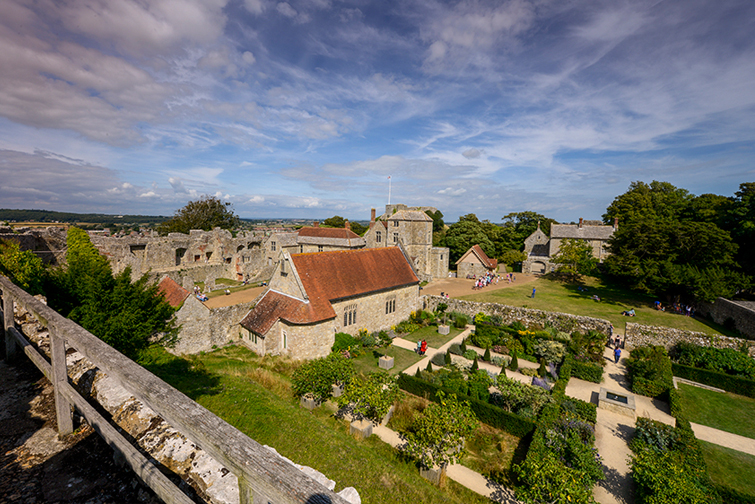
x,y
264,478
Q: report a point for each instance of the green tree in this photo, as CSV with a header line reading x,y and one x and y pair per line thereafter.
x,y
369,396
517,226
439,433
741,220
334,222
462,235
574,259
23,267
437,217
318,376
206,213
358,228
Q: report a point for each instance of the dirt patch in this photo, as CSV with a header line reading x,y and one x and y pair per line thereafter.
x,y
234,298
457,287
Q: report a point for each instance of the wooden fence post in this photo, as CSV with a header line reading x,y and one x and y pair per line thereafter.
x,y
60,376
11,348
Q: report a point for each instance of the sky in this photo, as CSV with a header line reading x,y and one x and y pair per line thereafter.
x,y
304,109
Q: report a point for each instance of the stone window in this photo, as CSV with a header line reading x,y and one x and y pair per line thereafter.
x,y
196,258
283,268
228,260
350,315
319,248
378,237
301,249
272,246
390,306
395,223
285,340
239,248
395,237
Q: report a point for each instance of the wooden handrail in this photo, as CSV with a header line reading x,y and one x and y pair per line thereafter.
x,y
263,476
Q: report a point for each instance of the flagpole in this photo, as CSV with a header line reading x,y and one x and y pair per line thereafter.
x,y
389,189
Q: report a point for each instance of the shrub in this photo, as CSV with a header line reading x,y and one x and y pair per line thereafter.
x,y
583,410
542,370
460,322
721,360
455,349
499,361
447,358
486,356
369,397
478,384
439,359
470,354
649,371
366,339
587,371
551,351
463,346
514,364
587,347
529,372
517,397
318,376
344,342
475,366
481,339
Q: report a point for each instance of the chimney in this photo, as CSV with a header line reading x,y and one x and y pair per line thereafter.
x,y
615,223
580,223
372,218
347,225
316,224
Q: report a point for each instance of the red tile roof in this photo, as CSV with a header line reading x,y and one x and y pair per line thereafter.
x,y
319,232
330,276
174,293
482,256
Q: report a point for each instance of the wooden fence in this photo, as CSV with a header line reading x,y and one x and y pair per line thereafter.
x,y
264,478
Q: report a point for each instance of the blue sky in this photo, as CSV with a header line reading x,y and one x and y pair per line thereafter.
x,y
303,109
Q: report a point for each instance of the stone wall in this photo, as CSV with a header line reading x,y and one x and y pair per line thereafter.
x,y
371,310
742,314
49,244
638,335
529,317
203,328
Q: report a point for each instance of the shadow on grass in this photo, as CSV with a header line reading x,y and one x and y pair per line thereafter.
x,y
188,376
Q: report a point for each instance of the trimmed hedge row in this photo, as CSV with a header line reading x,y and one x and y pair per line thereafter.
x,y
486,412
734,384
585,370
731,496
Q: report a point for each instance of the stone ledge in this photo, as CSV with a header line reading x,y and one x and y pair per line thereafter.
x,y
606,402
678,380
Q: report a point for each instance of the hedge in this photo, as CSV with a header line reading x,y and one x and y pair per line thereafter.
x,y
486,412
731,496
734,384
584,410
586,370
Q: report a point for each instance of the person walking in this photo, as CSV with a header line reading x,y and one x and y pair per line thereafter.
x,y
617,354
533,293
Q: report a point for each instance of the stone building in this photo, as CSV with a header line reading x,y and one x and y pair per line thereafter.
x,y
412,228
475,262
540,248
313,296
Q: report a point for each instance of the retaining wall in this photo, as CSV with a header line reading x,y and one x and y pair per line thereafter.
x,y
638,335
562,321
741,313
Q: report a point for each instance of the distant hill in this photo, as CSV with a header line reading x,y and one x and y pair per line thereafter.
x,y
70,218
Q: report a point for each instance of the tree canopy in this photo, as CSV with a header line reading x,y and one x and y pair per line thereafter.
x,y
462,235
23,267
672,243
339,222
574,259
206,213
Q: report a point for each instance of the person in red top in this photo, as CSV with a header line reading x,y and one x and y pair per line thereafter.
x,y
423,348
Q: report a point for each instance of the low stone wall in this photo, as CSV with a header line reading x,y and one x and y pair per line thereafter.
x,y
562,321
639,335
741,313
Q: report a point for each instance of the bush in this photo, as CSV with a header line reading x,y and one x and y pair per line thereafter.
x,y
447,358
721,360
439,359
478,384
344,342
499,361
585,370
455,349
486,356
514,364
583,410
649,371
520,398
481,339
741,386
542,370
470,354
461,322
318,376
551,351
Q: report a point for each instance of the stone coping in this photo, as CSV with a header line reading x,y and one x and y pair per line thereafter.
x,y
623,408
678,380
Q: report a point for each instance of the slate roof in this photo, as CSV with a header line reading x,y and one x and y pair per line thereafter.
x,y
332,276
583,233
481,255
410,215
174,293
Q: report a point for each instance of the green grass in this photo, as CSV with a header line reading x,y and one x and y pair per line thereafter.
x,y
724,411
227,281
221,292
556,296
380,473
431,335
730,468
402,359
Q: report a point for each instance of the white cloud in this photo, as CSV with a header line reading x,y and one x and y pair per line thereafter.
x,y
285,9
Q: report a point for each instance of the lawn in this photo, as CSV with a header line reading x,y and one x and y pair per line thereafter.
x,y
228,387
221,292
431,335
402,359
730,468
557,296
724,411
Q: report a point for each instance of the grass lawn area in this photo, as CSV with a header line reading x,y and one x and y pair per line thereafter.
x,y
227,281
724,411
730,468
221,292
430,334
557,296
228,383
402,359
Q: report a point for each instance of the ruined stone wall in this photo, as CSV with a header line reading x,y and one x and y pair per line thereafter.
x,y
639,335
202,328
529,317
49,244
742,315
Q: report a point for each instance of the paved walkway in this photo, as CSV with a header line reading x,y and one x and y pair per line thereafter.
x,y
723,438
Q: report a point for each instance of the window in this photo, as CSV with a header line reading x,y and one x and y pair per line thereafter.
x,y
319,248
395,223
285,340
283,268
350,315
390,306
196,258
395,237
272,246
301,249
378,237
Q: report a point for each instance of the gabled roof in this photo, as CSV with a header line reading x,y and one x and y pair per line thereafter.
x,y
174,293
583,233
328,277
481,255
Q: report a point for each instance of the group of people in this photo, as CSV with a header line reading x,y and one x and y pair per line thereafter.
x,y
421,347
616,348
486,279
199,294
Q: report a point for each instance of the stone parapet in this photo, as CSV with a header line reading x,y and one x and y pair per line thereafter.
x,y
740,315
639,335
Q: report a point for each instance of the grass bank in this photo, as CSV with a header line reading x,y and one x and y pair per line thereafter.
x,y
556,296
730,468
253,394
724,411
